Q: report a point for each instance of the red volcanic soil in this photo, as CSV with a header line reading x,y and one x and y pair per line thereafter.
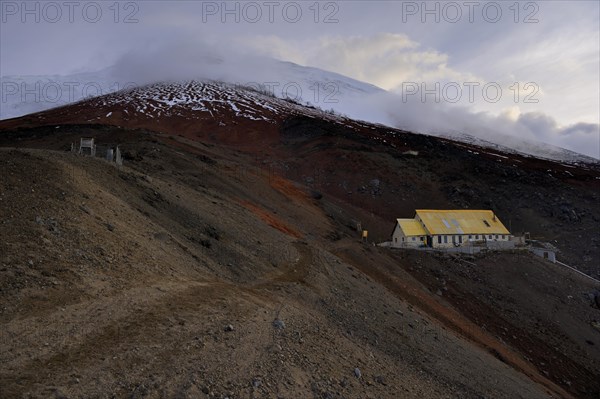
x,y
270,219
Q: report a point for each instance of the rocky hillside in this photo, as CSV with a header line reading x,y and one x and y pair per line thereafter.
x,y
222,260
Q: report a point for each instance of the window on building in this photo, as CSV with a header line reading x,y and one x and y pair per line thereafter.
x,y
470,237
477,237
445,239
421,238
402,239
502,236
395,239
496,236
414,239
490,236
439,239
460,239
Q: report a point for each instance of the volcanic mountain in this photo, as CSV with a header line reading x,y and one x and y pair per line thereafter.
x,y
223,258
315,87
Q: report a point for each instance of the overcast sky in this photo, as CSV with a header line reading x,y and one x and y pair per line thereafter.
x,y
544,56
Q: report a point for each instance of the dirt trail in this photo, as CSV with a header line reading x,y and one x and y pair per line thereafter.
x,y
294,271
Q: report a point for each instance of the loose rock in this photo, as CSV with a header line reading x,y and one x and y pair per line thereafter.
x,y
278,324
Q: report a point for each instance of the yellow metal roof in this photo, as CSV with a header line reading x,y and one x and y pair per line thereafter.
x,y
461,222
411,227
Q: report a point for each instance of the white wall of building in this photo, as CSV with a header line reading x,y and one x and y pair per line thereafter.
x,y
399,240
449,241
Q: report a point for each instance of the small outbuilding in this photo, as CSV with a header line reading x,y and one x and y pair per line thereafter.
x,y
87,146
543,249
409,233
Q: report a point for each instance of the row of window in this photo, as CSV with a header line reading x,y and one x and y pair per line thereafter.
x,y
490,237
413,239
460,238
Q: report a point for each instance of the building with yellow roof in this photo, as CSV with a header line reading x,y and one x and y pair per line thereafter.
x,y
448,228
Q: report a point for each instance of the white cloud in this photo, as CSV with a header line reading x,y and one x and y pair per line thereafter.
x,y
386,60
560,57
522,131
